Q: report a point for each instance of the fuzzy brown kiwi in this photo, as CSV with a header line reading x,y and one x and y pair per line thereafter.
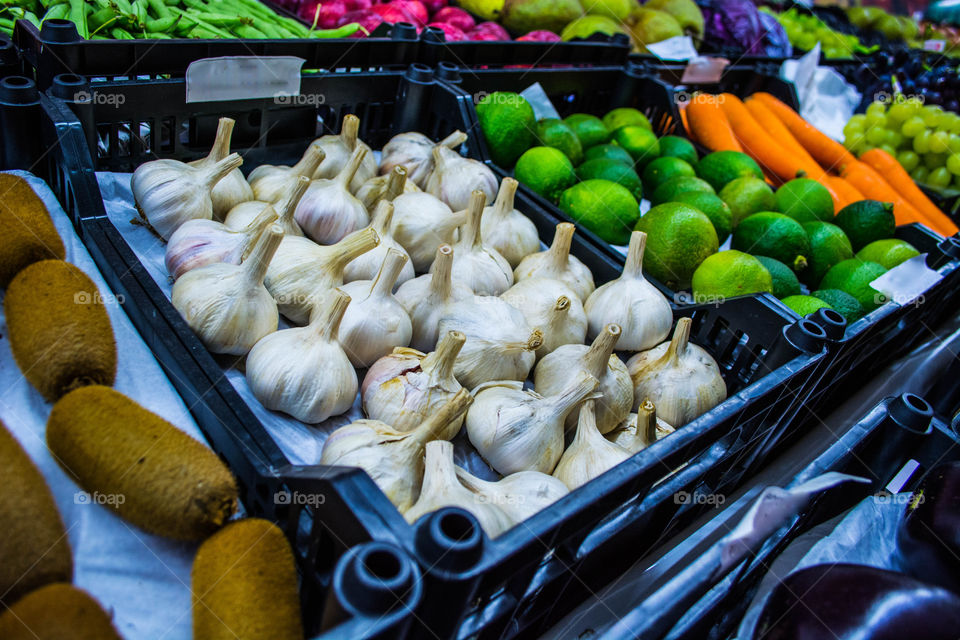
x,y
57,612
59,330
28,232
244,585
162,480
34,549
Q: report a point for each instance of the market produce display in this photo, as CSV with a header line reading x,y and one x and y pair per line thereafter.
x,y
805,30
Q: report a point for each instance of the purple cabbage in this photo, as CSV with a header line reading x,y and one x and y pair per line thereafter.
x,y
737,25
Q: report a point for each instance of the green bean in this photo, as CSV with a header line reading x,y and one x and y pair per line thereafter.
x,y
123,6
6,24
160,9
204,34
340,32
120,34
46,4
247,31
139,13
161,25
57,12
204,25
99,18
32,18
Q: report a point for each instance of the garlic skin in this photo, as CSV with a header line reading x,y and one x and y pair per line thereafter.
x,y
518,430
414,152
303,371
303,273
520,494
393,458
197,243
551,306
385,187
270,183
475,264
598,360
327,212
375,322
227,305
590,454
643,313
680,378
500,344
640,429
244,213
454,178
557,263
442,489
406,387
421,223
427,297
168,193
233,188
507,230
367,265
338,150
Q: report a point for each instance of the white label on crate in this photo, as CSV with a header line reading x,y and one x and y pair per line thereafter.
x,y
244,78
906,282
703,69
540,101
934,45
675,48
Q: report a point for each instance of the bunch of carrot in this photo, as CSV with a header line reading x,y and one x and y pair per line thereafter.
x,y
786,146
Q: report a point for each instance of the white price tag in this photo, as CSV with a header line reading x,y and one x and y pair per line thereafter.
x,y
675,48
701,70
244,78
934,45
906,282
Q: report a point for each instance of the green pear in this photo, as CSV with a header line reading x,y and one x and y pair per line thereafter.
x,y
616,9
686,12
649,25
524,16
586,26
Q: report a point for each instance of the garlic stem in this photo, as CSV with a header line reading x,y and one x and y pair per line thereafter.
x,y
255,265
503,205
560,249
214,173
221,144
352,246
441,271
453,140
470,232
353,164
288,204
395,183
633,267
393,264
325,321
598,355
680,340
566,400
449,412
311,159
439,363
349,131
382,217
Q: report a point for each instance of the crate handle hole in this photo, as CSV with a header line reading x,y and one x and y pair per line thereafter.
x,y
382,564
456,527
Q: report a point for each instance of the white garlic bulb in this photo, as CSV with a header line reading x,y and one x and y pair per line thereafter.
x,y
476,264
520,494
197,243
405,387
680,378
303,371
340,148
327,212
168,193
302,272
427,297
500,344
414,152
233,188
640,429
271,182
227,305
598,360
393,458
421,223
442,489
385,187
643,313
367,265
454,178
375,321
551,306
518,430
242,214
557,263
590,454
507,230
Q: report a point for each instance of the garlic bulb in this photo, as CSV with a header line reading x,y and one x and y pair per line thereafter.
x,y
385,187
598,360
520,494
454,178
500,344
233,188
270,183
340,148
168,193
551,306
557,263
680,378
507,230
407,386
518,430
367,265
590,454
414,152
475,264
375,321
643,313
196,243
302,272
427,297
242,214
421,223
393,458
303,371
442,489
640,429
227,305
327,212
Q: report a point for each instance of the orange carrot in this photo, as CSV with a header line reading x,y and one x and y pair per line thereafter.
x,y
686,124
872,185
755,141
777,130
709,125
828,153
847,193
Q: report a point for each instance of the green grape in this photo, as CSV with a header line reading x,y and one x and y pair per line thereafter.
x,y
876,108
954,143
939,178
858,120
920,174
899,111
893,138
921,143
956,182
855,142
939,142
876,120
955,126
876,136
908,160
890,150
852,129
934,160
912,127
953,164
931,116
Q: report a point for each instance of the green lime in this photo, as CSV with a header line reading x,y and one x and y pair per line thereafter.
x,y
671,188
712,207
728,274
590,129
866,221
844,303
625,116
659,170
805,305
679,238
785,281
805,200
606,169
604,207
854,276
553,132
508,123
888,253
829,245
774,235
747,196
545,170
610,152
720,167
640,143
677,147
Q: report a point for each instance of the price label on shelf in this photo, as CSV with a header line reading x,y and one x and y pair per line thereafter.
x,y
702,70
676,48
244,78
934,45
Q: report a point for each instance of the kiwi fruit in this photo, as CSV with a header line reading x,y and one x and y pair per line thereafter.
x,y
34,549
28,232
59,330
147,470
57,612
244,585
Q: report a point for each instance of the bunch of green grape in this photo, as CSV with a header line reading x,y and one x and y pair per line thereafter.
x,y
925,139
804,31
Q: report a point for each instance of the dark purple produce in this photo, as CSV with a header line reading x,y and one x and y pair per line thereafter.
x,y
929,536
738,25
